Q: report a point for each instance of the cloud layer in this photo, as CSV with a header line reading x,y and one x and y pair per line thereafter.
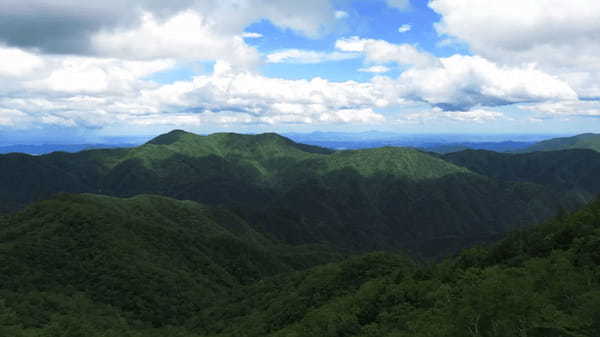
x,y
561,37
89,65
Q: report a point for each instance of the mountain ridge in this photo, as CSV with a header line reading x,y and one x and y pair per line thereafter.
x,y
583,141
356,200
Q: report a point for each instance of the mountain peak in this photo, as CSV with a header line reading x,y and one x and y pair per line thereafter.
x,y
583,141
170,137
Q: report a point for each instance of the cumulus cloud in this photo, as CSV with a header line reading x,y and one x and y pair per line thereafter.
x,y
271,99
463,82
375,69
562,38
81,75
564,109
251,35
404,28
17,63
457,83
380,51
307,56
70,27
471,116
89,92
12,117
183,36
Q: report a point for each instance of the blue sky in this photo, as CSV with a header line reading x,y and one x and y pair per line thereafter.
x,y
74,72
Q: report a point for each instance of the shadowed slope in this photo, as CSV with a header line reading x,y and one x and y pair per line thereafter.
x,y
573,171
155,258
542,282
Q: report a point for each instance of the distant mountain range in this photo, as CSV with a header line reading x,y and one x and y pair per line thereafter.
x,y
440,143
48,148
584,141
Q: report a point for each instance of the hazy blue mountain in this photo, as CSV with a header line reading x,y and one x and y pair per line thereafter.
x,y
440,143
584,141
49,148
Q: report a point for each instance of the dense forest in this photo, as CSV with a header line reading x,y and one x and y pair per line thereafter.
x,y
149,266
358,200
239,235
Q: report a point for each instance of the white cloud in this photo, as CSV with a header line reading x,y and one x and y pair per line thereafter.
x,y
251,35
457,82
571,108
270,99
74,75
404,28
561,37
307,56
398,4
66,26
87,92
340,14
464,82
11,117
17,63
471,116
380,51
375,69
188,35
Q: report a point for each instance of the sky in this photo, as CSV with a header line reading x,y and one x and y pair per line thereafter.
x,y
74,71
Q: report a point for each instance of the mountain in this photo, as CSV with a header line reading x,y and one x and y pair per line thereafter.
x,y
48,148
539,282
150,258
430,142
218,168
571,171
356,200
86,265
505,146
584,141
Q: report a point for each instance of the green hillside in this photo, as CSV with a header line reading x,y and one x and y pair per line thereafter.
x,y
584,141
392,161
220,168
574,171
98,266
354,200
151,258
540,282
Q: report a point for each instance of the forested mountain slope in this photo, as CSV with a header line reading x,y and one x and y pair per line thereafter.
x,y
98,266
153,258
359,200
576,171
540,282
584,141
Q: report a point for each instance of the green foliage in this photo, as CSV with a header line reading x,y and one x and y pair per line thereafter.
x,y
154,259
512,288
570,171
88,265
584,141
